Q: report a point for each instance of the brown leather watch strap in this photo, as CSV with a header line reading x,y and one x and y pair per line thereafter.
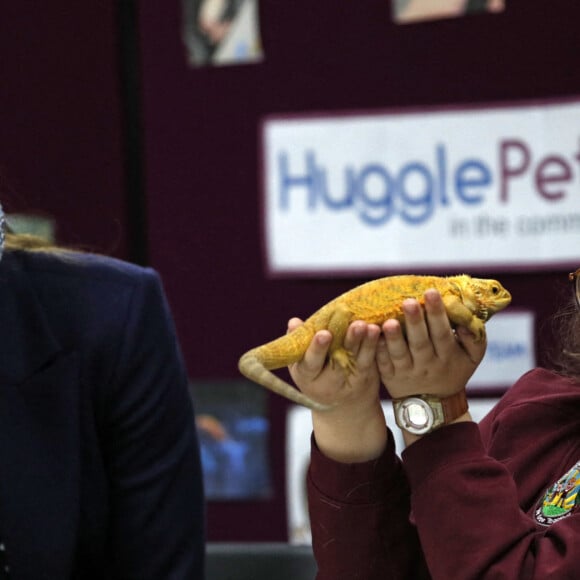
x,y
454,406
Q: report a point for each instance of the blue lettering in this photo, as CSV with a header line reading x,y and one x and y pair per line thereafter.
x,y
502,350
307,181
442,171
375,210
471,174
423,201
377,194
350,187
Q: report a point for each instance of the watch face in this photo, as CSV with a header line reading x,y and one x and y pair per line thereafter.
x,y
415,416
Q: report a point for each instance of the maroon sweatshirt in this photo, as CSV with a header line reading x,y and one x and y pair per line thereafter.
x,y
496,500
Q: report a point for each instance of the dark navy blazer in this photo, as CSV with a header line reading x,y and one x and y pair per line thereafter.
x,y
99,463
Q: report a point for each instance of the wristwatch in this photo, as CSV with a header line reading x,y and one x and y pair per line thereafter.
x,y
421,414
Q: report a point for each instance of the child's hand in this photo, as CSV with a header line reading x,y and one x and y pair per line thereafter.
x,y
354,428
327,383
431,358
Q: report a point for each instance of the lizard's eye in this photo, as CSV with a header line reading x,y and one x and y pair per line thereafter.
x,y
494,289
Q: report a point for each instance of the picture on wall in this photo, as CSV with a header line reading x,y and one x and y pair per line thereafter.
x,y
43,226
406,11
220,32
233,429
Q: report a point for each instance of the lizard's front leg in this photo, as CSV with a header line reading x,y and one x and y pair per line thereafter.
x,y
460,315
338,323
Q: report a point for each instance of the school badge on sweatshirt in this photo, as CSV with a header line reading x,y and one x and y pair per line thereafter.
x,y
560,499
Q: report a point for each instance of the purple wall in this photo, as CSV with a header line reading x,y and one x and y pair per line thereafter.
x,y
203,160
60,125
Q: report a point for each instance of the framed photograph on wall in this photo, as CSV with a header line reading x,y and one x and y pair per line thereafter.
x,y
408,11
233,430
219,32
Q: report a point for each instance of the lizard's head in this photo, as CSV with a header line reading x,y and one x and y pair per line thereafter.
x,y
484,297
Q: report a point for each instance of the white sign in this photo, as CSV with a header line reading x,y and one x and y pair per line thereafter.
x,y
455,190
510,351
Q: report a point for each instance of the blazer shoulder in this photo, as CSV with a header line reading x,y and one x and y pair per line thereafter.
x,y
82,267
91,289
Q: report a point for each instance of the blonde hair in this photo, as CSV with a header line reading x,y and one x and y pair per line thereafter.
x,y
30,243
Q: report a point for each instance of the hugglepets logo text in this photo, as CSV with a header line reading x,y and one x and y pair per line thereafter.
x,y
414,191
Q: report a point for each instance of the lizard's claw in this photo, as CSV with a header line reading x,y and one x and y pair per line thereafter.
x,y
477,327
344,359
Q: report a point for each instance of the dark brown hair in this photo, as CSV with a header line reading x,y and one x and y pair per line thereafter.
x,y
567,326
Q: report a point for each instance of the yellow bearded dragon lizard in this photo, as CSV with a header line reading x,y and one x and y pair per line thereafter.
x,y
469,302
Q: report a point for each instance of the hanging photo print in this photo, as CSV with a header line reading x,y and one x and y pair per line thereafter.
x,y
218,32
233,431
406,11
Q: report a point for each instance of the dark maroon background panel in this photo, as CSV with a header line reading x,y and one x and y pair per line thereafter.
x,y
202,157
60,125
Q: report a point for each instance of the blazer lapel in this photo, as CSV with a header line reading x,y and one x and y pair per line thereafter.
x,y
39,434
28,342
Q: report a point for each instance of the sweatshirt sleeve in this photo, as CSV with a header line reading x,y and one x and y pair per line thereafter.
x,y
360,519
465,505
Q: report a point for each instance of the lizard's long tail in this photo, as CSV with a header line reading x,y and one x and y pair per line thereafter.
x,y
252,367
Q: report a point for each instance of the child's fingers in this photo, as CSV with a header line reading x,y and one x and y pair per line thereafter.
x,y
474,349
293,324
314,358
